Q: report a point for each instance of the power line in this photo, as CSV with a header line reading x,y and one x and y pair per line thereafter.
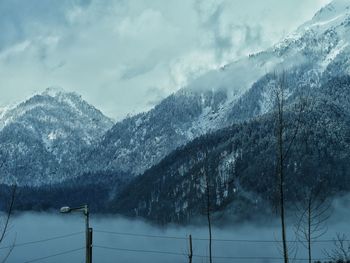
x,y
142,250
206,239
262,241
139,235
200,256
157,251
42,240
55,255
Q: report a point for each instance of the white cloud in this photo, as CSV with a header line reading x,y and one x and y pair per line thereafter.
x,y
191,65
124,56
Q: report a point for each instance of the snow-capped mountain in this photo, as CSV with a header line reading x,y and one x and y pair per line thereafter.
x,y
40,138
322,40
137,143
239,91
54,135
240,158
240,162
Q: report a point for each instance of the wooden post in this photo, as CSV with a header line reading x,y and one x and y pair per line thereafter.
x,y
90,244
190,255
87,234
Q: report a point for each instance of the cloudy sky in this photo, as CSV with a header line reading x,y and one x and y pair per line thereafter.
x,y
124,56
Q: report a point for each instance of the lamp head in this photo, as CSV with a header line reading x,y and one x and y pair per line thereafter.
x,y
65,209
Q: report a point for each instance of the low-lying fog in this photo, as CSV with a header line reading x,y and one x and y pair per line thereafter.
x,y
112,247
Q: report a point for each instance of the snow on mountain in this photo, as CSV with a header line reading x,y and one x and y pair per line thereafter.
x,y
322,39
2,112
54,91
66,127
239,91
77,114
56,135
42,136
331,11
240,164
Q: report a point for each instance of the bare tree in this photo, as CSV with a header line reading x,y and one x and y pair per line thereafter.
x,y
284,146
6,220
341,251
313,212
8,215
280,100
208,203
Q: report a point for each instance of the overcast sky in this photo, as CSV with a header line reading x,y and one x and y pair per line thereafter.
x,y
124,56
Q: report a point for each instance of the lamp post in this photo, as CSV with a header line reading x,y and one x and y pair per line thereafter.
x,y
88,229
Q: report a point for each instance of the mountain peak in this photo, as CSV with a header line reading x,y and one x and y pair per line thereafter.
x,y
333,10
58,92
53,127
63,96
54,91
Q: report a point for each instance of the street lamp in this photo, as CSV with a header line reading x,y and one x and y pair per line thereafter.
x,y
88,229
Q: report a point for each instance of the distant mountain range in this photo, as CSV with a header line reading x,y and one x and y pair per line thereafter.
x,y
151,163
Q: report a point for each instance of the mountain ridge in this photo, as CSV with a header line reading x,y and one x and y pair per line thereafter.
x,y
43,135
240,161
314,54
236,101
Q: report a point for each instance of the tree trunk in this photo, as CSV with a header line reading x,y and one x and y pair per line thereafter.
x,y
309,229
280,102
208,216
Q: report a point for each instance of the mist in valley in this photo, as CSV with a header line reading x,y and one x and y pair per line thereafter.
x,y
38,237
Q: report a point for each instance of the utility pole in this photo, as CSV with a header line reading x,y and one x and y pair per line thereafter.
x,y
88,229
190,256
90,245
88,233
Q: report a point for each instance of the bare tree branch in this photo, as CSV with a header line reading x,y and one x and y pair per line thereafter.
x,y
8,214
